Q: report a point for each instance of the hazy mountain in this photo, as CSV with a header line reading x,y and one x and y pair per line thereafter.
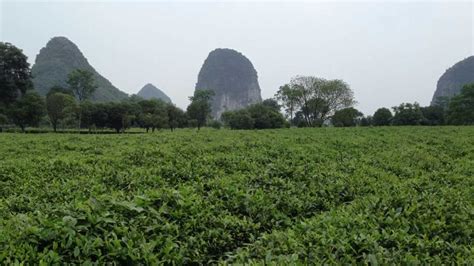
x,y
451,82
233,79
149,91
61,56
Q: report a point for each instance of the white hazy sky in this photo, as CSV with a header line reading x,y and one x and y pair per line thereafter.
x,y
388,52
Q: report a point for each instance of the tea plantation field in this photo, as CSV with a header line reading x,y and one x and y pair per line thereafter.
x,y
328,195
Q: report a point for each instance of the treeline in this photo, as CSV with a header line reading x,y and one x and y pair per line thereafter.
x,y
306,101
70,107
62,109
313,102
459,110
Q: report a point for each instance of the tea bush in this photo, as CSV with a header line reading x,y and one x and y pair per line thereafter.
x,y
320,195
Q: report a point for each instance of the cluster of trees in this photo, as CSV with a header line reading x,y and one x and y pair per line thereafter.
x,y
257,116
313,102
71,107
307,101
459,110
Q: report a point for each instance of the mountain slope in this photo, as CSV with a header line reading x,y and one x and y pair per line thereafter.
x,y
61,56
451,82
149,91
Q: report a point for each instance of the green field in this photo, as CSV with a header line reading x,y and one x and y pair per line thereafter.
x,y
326,195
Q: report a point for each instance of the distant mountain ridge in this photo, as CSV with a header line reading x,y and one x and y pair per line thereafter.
x,y
57,59
452,81
149,91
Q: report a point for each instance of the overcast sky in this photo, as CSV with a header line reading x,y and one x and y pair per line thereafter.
x,y
388,52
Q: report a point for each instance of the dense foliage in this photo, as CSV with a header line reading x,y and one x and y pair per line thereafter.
x,y
81,83
407,114
382,117
347,117
328,195
27,110
461,107
60,107
314,100
200,107
256,116
15,74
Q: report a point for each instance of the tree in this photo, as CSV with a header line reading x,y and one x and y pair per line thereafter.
x,y
200,107
433,115
461,107
382,117
314,99
240,119
216,124
154,114
258,116
299,120
366,121
118,116
288,97
443,102
176,117
3,121
59,89
407,114
87,111
265,116
337,95
59,106
272,104
15,74
315,111
28,110
347,117
82,83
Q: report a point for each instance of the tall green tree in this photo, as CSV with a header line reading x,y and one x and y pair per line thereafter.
x,y
28,110
176,117
59,106
461,107
347,117
287,96
314,99
407,114
153,114
82,83
200,107
382,117
118,116
272,104
433,115
15,74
